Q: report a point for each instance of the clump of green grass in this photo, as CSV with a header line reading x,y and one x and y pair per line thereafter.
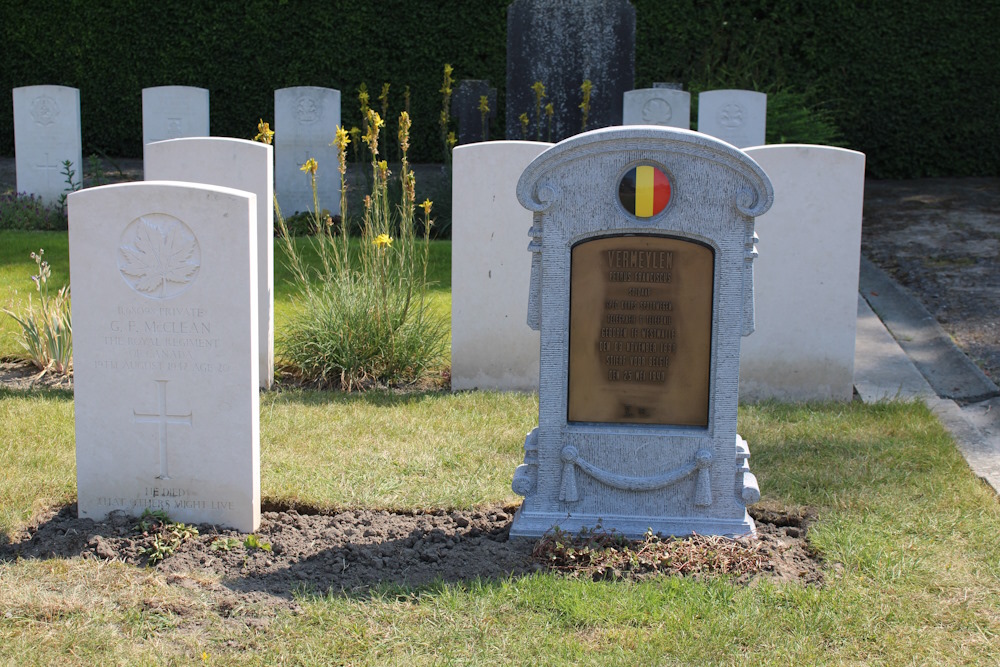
x,y
364,318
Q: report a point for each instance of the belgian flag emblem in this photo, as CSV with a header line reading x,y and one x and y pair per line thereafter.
x,y
644,191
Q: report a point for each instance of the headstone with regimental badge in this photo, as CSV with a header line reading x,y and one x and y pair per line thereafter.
x,y
305,124
668,107
173,112
641,287
736,116
166,392
46,134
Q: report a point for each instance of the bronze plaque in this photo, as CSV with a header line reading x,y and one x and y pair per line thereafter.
x,y
640,337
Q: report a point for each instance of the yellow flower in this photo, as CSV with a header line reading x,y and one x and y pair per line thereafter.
x,y
383,170
524,121
539,89
341,139
452,140
264,133
549,110
404,131
484,104
427,206
382,240
375,123
310,166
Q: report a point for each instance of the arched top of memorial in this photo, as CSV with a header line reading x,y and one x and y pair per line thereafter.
x,y
681,151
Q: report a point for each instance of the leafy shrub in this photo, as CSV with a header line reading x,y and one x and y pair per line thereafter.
x,y
46,329
24,212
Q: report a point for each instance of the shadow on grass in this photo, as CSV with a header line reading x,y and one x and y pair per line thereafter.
x,y
377,398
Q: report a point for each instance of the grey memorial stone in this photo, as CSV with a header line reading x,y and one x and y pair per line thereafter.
x,y
669,85
641,287
562,43
657,106
736,116
465,109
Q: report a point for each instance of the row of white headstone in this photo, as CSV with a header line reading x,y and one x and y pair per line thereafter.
x,y
806,277
47,132
738,117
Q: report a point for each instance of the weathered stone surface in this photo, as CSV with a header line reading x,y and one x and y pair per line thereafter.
x,y
305,122
562,43
46,134
172,112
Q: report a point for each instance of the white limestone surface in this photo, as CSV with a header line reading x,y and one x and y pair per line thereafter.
x,y
657,106
164,278
492,346
172,112
243,165
806,276
305,123
738,117
46,134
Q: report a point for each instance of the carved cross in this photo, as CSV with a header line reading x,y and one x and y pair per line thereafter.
x,y
162,418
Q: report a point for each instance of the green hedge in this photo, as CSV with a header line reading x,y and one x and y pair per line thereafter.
x,y
911,83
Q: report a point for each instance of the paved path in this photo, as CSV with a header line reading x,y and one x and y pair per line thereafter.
x,y
902,353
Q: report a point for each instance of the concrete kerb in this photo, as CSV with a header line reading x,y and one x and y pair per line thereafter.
x,y
907,356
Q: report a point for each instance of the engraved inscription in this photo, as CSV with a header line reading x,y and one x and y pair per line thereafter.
x,y
640,331
44,110
657,111
159,256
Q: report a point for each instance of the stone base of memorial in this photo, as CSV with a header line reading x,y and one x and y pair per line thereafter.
x,y
641,288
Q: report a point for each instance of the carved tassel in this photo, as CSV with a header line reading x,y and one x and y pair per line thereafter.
x,y
703,486
567,490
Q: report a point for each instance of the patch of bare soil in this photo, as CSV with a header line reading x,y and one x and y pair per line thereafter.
x,y
352,551
22,375
940,239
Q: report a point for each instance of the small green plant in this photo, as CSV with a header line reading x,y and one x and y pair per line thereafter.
x,y
225,544
549,113
72,185
254,542
23,211
164,536
46,327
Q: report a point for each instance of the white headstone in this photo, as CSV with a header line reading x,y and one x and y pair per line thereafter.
x,y
46,134
164,279
641,287
305,123
806,277
657,106
172,112
735,116
492,346
243,165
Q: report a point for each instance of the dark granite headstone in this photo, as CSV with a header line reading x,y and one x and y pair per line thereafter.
x,y
562,43
669,85
465,109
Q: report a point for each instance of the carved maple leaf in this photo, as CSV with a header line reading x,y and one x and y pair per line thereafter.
x,y
159,256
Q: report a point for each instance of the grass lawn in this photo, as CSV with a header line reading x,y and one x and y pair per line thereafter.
x,y
907,532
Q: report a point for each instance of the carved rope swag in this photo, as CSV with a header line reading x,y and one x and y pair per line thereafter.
x,y
571,461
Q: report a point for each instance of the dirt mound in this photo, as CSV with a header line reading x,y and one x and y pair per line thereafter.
x,y
354,551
